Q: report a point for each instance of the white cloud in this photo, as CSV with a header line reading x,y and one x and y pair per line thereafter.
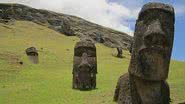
x,y
109,14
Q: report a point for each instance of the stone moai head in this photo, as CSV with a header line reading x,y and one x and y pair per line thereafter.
x,y
84,65
153,41
32,53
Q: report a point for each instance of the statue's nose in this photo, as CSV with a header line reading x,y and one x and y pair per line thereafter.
x,y
154,28
155,34
84,61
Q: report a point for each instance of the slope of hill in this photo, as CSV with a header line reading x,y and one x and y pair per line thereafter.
x,y
67,24
50,81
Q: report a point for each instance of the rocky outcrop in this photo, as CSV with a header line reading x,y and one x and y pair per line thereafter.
x,y
67,24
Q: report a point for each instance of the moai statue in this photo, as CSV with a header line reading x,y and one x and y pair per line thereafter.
x,y
66,28
32,53
152,47
5,16
84,65
122,92
130,47
99,38
119,50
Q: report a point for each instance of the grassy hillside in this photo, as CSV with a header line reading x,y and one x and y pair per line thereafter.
x,y
50,82
67,24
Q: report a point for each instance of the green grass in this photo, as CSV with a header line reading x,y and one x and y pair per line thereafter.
x,y
50,82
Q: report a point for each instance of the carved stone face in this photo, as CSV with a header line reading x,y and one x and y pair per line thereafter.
x,y
153,41
85,57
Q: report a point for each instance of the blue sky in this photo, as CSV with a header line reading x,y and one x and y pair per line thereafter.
x,y
117,14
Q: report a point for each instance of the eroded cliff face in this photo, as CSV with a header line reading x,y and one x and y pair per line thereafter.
x,y
66,24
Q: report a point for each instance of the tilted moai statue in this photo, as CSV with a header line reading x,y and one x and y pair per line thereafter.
x,y
122,92
32,53
152,47
130,47
120,52
84,65
99,38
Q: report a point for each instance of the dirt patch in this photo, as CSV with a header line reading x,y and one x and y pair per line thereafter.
x,y
10,58
10,64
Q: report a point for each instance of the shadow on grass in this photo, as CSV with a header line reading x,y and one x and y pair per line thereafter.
x,y
85,90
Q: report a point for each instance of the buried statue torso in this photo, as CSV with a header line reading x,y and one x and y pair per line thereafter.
x,y
149,65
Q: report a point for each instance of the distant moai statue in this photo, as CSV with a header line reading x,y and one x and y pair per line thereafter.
x,y
120,52
84,65
130,47
66,27
32,53
149,65
4,16
99,38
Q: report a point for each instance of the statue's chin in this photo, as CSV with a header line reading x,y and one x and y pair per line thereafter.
x,y
153,63
84,69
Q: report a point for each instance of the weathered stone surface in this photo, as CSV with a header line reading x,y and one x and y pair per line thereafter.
x,y
69,25
153,41
32,53
120,52
99,38
151,53
149,92
131,47
84,65
122,93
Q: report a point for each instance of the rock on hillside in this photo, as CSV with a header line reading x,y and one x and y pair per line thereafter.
x,y
67,24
